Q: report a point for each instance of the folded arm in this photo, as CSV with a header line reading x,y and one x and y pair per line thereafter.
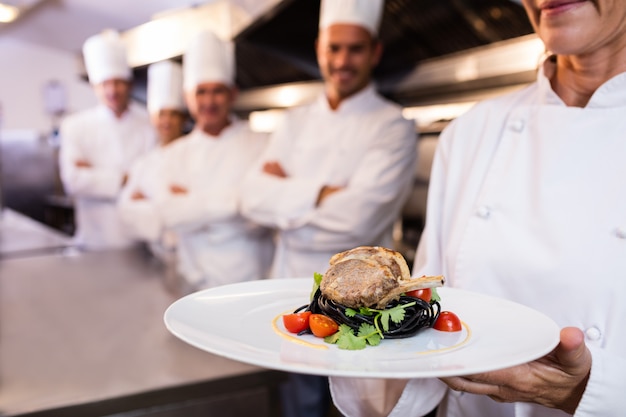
x,y
80,176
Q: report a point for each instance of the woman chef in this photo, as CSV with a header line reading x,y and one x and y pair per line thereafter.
x,y
99,145
527,202
167,110
166,103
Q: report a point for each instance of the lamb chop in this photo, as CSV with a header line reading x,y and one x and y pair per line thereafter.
x,y
369,276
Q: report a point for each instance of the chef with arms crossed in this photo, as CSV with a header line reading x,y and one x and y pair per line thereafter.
x,y
99,145
201,175
166,103
527,202
337,172
167,110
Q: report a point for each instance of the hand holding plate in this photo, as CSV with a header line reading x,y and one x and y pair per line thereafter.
x,y
556,380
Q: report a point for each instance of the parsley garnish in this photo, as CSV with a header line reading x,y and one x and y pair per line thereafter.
x,y
434,296
317,280
346,339
367,334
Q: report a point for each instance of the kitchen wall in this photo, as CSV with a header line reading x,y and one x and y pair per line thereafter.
x,y
24,70
28,171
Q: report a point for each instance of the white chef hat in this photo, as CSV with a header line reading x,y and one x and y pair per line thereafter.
x,y
208,59
165,86
365,13
105,57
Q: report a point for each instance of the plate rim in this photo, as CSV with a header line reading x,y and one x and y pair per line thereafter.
x,y
308,369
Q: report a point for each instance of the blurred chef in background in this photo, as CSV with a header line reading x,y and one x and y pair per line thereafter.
x,y
337,171
166,103
137,201
99,145
202,171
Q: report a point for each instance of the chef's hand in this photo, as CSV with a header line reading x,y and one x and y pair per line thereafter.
x,y
325,192
557,380
138,195
82,163
274,168
178,189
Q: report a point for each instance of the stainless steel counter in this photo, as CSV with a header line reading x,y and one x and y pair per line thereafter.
x,y
84,328
22,236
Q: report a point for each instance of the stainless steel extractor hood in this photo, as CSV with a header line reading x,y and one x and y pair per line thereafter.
x,y
434,49
167,35
470,75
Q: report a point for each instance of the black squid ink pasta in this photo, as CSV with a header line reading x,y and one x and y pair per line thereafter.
x,y
418,316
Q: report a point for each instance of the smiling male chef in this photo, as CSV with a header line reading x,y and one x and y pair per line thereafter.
x,y
99,145
337,172
201,174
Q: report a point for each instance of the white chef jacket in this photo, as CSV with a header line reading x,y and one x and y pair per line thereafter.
x,y
215,244
527,203
148,176
111,145
365,146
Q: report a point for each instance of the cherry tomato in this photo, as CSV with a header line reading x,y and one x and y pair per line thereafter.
x,y
448,322
322,326
296,322
425,294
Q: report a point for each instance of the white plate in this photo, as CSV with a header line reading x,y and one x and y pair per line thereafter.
x,y
243,322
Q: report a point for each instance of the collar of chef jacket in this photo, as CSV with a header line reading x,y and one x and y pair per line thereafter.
x,y
609,95
353,104
108,114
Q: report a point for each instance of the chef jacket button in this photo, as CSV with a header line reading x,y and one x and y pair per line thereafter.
x,y
593,333
483,212
620,233
517,125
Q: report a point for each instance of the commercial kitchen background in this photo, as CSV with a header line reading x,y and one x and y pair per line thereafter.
x,y
81,334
